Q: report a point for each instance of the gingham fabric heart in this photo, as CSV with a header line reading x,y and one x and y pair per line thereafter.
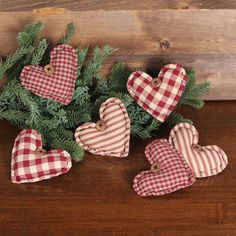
x,y
57,84
110,136
168,173
158,96
204,161
31,163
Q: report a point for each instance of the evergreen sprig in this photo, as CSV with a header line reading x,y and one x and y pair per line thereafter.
x,y
39,52
70,31
57,122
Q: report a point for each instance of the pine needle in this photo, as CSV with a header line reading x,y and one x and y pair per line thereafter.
x,y
70,31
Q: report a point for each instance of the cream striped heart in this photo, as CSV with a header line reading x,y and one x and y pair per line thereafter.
x,y
204,160
110,136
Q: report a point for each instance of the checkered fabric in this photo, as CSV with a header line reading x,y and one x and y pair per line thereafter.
x,y
160,100
60,85
174,172
204,161
114,139
27,167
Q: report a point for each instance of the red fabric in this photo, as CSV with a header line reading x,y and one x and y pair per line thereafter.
x,y
60,85
208,161
159,101
27,167
114,139
174,172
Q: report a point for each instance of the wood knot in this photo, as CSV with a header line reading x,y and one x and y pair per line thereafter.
x,y
164,44
186,7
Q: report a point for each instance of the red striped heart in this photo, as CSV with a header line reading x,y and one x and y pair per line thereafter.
x,y
110,136
158,96
204,161
55,81
31,163
168,173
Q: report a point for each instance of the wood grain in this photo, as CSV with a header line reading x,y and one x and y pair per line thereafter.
x,y
96,196
202,39
85,5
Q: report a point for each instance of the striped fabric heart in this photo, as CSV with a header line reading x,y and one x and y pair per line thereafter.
x,y
30,163
109,136
158,96
56,80
204,160
169,171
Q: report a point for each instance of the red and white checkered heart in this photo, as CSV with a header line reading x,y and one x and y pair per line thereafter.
x,y
158,96
55,81
169,171
109,136
30,163
204,161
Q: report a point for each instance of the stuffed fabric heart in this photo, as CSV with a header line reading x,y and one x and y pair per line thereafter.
x,y
204,161
109,136
55,81
169,171
158,96
31,163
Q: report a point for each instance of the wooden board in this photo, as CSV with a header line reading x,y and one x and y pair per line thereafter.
x,y
85,5
202,39
96,196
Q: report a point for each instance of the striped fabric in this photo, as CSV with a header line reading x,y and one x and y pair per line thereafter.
x,y
158,96
206,160
30,163
169,171
58,86
113,138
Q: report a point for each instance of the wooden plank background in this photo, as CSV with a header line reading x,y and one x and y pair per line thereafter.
x,y
200,34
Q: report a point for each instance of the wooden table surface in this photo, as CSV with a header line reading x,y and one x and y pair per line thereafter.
x,y
96,196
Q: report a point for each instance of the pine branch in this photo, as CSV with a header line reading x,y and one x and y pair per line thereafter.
x,y
70,146
94,66
176,118
81,95
13,88
30,36
145,132
81,58
124,97
193,102
118,77
12,59
39,52
16,118
70,31
77,116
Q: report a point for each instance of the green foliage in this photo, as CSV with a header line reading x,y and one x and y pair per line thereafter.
x,y
56,122
70,31
39,52
12,59
92,69
193,91
30,35
176,118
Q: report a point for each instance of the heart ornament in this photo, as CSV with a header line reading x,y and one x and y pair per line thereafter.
x,y
110,136
169,171
204,160
158,96
30,163
56,80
